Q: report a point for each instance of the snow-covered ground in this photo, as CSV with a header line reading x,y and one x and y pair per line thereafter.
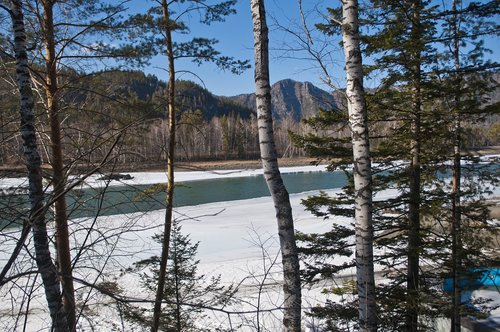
x,y
161,177
237,240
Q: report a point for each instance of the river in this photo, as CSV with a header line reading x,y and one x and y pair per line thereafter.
x,y
120,199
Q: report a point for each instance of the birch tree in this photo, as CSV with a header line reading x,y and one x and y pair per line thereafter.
x,y
64,33
61,36
36,218
284,217
358,121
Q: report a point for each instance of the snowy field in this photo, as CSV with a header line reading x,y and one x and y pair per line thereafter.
x,y
237,240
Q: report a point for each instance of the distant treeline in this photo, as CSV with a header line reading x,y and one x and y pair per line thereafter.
x,y
126,109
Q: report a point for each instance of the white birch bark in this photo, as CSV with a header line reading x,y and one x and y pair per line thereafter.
x,y
44,262
291,273
358,121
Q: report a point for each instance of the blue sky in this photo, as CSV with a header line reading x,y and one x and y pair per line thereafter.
x,y
235,37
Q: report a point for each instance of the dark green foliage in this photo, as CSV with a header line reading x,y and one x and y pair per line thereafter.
x,y
187,294
192,97
323,205
152,26
407,58
337,316
327,140
320,250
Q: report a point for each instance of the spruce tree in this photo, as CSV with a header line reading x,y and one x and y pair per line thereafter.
x,y
465,80
412,136
186,295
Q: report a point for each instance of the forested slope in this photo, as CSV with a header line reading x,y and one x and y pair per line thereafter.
x,y
103,104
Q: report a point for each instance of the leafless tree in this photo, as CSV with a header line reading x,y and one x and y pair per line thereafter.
x,y
284,217
36,192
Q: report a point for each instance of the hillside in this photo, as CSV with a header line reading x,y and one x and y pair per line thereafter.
x,y
289,97
135,87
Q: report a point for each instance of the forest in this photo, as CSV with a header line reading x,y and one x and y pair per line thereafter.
x,y
94,236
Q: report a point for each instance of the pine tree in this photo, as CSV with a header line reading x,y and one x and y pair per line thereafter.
x,y
164,21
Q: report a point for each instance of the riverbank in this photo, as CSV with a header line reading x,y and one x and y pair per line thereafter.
x,y
237,240
13,171
215,165
241,164
209,165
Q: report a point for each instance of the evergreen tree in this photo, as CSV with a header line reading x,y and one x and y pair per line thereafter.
x,y
465,82
411,154
186,295
159,26
403,45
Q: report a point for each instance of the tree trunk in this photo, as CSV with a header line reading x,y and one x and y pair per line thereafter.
x,y
59,179
291,276
457,173
358,120
170,170
414,241
33,164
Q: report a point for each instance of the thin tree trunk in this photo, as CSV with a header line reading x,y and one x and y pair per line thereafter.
x,y
414,241
58,181
290,260
33,164
170,170
177,275
358,120
414,230
457,173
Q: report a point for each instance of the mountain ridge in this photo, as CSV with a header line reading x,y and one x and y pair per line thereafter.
x,y
289,98
294,98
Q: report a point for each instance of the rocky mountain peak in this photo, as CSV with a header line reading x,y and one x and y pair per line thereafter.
x,y
296,99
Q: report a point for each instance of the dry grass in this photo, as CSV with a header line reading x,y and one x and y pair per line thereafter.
x,y
240,164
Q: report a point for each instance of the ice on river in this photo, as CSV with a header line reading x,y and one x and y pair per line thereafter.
x,y
237,240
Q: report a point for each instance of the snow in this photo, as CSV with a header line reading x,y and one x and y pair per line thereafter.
x,y
147,178
237,240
